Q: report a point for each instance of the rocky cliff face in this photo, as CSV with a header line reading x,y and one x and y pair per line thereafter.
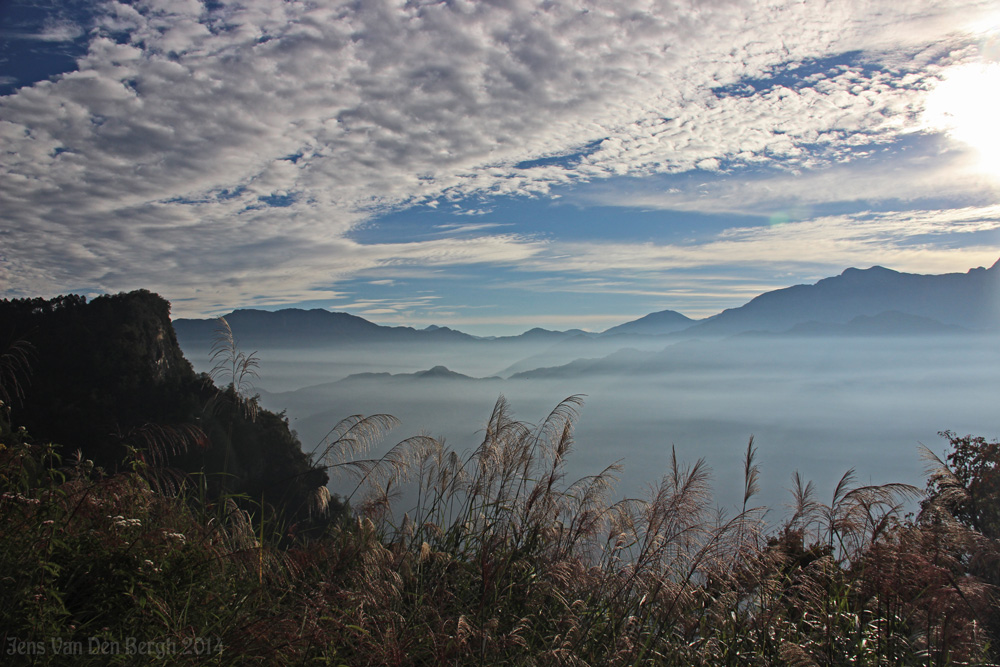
x,y
106,374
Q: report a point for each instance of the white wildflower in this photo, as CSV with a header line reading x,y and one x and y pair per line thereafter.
x,y
17,497
121,522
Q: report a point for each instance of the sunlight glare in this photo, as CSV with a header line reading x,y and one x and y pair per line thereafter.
x,y
966,105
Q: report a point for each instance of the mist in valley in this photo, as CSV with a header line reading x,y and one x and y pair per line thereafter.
x,y
814,404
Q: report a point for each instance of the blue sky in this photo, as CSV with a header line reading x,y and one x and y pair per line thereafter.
x,y
492,166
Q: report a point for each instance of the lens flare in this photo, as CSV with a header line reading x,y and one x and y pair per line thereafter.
x,y
966,106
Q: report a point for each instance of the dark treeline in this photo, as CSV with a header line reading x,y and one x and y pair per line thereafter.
x,y
108,378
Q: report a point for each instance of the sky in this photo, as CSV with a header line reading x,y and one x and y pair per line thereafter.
x,y
492,166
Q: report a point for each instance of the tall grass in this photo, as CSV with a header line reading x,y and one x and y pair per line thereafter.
x,y
498,558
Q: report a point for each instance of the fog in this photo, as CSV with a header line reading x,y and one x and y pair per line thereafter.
x,y
817,405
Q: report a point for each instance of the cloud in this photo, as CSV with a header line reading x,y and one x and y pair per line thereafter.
x,y
54,30
458,228
223,151
918,241
934,172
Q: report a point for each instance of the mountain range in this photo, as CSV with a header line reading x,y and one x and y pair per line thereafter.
x,y
969,300
857,302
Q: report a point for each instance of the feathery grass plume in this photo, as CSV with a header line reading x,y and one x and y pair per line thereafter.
x,y
235,368
796,656
751,474
392,468
251,549
319,501
747,532
655,554
856,515
587,512
442,481
149,448
834,513
501,452
154,444
805,508
351,437
15,371
870,510
923,605
949,492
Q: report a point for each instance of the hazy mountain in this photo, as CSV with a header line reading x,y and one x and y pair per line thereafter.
x,y
297,327
622,362
889,323
441,372
577,347
538,335
436,373
373,390
662,322
970,300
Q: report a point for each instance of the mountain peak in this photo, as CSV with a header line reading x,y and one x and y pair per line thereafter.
x,y
967,300
658,323
299,327
439,372
869,272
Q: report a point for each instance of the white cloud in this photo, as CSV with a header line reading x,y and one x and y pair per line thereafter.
x,y
904,177
221,155
827,242
457,228
54,30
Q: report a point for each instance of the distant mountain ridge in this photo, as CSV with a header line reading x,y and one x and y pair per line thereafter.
x,y
659,323
970,300
312,396
886,301
945,302
316,326
299,327
891,322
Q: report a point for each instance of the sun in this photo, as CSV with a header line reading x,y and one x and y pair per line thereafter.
x,y
966,106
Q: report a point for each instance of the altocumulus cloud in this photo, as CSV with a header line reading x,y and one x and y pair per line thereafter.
x,y
223,151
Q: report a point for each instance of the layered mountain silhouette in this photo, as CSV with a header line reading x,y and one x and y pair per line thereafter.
x,y
297,327
889,323
969,300
654,324
857,302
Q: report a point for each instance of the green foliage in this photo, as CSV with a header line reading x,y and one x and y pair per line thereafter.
x,y
92,559
975,463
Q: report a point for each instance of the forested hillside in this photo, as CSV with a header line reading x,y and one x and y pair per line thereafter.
x,y
108,378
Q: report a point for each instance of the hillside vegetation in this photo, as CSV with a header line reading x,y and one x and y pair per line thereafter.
x,y
153,533
108,378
